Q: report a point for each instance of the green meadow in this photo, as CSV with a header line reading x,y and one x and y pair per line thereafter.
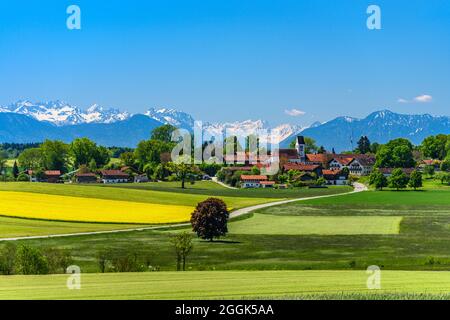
x,y
165,193
395,230
316,225
230,285
330,240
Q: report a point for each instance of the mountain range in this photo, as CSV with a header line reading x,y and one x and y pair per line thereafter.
x,y
343,133
25,121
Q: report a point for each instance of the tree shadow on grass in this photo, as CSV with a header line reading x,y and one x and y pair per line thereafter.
x,y
221,241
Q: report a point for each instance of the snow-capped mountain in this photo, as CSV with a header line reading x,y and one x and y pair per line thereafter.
x,y
171,116
98,114
237,128
250,127
25,121
61,113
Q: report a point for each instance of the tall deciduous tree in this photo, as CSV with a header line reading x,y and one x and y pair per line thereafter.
x,y
150,152
163,133
55,155
378,180
209,220
396,153
84,151
398,179
415,180
434,147
31,159
183,169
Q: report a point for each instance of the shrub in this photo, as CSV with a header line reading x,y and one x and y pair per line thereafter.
x,y
57,260
23,177
126,261
31,261
445,165
321,181
103,258
8,259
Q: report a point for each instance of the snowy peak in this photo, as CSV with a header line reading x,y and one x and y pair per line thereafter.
x,y
57,112
237,128
250,127
62,113
98,114
171,116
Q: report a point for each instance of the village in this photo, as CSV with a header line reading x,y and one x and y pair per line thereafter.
x,y
295,168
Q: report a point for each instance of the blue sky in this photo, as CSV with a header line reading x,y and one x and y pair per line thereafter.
x,y
226,60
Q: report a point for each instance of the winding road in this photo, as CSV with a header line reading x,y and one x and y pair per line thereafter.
x,y
358,187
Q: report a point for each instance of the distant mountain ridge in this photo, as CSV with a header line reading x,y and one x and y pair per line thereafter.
x,y
380,126
25,121
64,121
62,113
127,133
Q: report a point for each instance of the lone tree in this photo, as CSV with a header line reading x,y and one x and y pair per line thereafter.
x,y
415,180
398,179
209,220
183,246
183,169
378,180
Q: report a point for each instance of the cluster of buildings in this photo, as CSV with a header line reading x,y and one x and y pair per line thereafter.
x,y
313,166
104,176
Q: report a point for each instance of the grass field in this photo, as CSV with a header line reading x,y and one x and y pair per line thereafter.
x,y
225,285
214,189
420,244
121,204
425,199
318,225
18,227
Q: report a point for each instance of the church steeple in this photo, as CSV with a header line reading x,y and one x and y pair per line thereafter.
x,y
300,145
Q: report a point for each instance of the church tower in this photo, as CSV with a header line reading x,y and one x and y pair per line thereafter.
x,y
300,145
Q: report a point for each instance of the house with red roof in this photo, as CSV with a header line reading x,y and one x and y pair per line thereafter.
x,y
50,176
335,177
114,176
307,168
86,177
252,181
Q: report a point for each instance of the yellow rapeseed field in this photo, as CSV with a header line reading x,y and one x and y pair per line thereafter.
x,y
66,208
